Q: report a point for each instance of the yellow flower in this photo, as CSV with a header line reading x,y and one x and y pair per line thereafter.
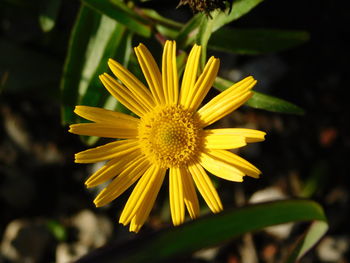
x,y
168,134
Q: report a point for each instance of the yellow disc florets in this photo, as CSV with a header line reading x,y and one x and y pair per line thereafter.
x,y
169,136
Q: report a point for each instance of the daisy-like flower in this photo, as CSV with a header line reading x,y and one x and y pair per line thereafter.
x,y
167,135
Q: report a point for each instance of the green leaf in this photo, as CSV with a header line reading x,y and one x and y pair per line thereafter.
x,y
48,14
181,60
167,31
215,229
204,34
263,101
121,13
101,44
274,104
200,28
84,28
239,9
114,41
256,41
316,230
95,39
188,33
152,14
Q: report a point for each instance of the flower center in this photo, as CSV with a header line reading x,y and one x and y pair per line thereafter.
x,y
169,136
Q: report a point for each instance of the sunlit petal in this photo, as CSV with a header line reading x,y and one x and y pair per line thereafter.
x,y
169,73
190,75
112,168
220,168
106,130
176,196
102,115
151,72
107,151
226,102
203,84
140,92
147,187
123,181
146,206
205,187
123,95
234,160
190,195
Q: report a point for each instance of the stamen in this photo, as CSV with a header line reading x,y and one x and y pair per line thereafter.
x,y
169,136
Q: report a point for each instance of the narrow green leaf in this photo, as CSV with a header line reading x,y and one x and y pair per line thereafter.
x,y
274,104
200,28
101,45
213,230
48,14
114,41
188,33
315,232
154,15
204,33
85,26
167,31
181,62
255,41
263,101
121,13
94,40
239,8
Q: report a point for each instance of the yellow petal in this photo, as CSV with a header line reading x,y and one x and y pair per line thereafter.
x,y
123,95
234,160
112,168
151,72
226,102
122,182
249,135
221,169
102,115
205,187
190,74
214,140
190,195
146,186
112,130
169,73
143,212
203,84
176,196
141,93
106,152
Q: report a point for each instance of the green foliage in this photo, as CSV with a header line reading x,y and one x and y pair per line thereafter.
x,y
95,38
122,14
262,101
215,229
256,41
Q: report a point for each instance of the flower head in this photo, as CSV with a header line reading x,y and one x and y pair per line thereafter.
x,y
167,135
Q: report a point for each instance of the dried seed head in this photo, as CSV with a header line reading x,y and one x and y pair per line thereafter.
x,y
206,6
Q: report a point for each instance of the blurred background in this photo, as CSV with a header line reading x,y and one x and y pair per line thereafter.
x,y
47,215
